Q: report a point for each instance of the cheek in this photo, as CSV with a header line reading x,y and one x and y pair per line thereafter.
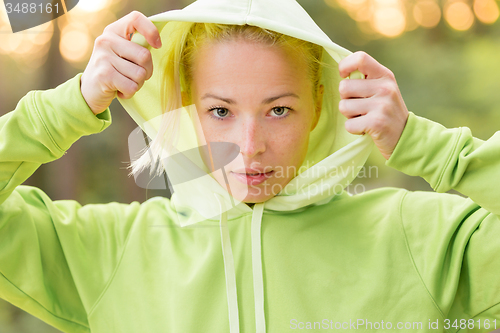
x,y
289,143
213,131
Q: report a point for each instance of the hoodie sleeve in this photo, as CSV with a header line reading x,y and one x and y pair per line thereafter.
x,y
55,256
453,241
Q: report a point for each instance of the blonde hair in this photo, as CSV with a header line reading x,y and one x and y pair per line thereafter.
x,y
184,38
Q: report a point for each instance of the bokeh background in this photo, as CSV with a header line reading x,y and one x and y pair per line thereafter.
x,y
444,53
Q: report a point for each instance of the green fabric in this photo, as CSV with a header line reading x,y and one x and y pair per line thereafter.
x,y
387,254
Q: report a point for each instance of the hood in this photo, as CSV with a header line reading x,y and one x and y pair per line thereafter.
x,y
333,160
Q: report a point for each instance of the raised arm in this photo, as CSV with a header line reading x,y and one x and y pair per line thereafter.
x,y
57,256
35,274
451,159
41,128
446,158
453,242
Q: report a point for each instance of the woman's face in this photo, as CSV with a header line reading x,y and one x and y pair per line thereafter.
x,y
260,98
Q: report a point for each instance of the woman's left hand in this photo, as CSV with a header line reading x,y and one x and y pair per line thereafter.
x,y
373,106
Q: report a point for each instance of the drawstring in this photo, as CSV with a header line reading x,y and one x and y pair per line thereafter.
x,y
227,254
258,283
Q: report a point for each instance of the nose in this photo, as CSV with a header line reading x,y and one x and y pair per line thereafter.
x,y
252,140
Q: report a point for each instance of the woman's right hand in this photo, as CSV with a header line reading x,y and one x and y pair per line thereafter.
x,y
119,66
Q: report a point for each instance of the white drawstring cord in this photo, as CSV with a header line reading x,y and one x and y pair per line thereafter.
x,y
227,254
258,283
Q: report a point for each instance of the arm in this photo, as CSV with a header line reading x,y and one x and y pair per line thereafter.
x,y
56,257
454,242
451,159
446,158
35,133
46,246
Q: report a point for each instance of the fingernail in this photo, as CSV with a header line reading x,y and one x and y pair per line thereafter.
x,y
158,42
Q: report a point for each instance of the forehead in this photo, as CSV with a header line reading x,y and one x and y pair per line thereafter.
x,y
240,63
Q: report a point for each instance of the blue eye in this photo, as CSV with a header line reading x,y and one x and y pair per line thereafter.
x,y
280,111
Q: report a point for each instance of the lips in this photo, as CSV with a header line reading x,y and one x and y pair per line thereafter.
x,y
251,176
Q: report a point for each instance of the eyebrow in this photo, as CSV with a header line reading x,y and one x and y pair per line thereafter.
x,y
266,101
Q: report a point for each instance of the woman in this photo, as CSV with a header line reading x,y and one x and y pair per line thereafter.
x,y
265,240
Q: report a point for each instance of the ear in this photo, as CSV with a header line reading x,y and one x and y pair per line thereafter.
x,y
319,104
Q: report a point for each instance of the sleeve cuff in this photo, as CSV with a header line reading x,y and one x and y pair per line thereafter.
x,y
65,114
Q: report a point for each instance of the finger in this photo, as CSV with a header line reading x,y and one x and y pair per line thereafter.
x,y
130,70
136,21
359,88
134,53
365,64
125,87
355,107
358,125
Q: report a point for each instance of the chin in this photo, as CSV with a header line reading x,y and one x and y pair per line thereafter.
x,y
249,194
256,198
254,194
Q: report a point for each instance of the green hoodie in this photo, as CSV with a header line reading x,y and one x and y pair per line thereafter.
x,y
384,259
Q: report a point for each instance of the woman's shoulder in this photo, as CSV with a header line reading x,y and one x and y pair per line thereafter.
x,y
424,209
403,203
402,194
34,199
